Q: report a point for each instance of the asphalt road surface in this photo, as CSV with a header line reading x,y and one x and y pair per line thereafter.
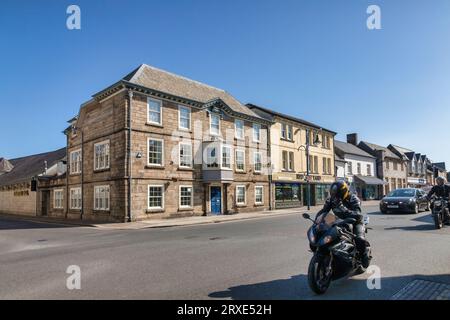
x,y
264,258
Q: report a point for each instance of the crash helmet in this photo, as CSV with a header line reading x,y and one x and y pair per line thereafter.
x,y
440,181
339,190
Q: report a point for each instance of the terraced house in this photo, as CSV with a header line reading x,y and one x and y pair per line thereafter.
x,y
390,167
154,145
292,180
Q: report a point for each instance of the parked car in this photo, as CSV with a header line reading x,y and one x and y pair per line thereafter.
x,y
408,200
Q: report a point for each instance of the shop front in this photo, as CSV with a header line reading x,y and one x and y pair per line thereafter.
x,y
319,189
368,188
416,182
288,195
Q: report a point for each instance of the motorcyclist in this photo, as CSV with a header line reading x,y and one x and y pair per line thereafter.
x,y
440,190
347,205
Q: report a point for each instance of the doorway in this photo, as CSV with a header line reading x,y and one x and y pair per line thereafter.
x,y
216,200
45,202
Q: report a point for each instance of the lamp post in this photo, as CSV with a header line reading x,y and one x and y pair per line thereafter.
x,y
306,147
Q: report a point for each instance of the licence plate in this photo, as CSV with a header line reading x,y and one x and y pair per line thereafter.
x,y
392,207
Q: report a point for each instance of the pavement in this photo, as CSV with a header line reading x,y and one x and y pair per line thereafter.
x,y
258,258
174,222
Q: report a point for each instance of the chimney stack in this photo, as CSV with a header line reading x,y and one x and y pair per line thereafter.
x,y
352,138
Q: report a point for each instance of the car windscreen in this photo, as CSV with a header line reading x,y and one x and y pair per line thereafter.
x,y
402,193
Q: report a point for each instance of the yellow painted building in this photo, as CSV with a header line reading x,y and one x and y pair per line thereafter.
x,y
289,138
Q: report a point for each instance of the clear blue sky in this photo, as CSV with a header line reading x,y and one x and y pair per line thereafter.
x,y
312,59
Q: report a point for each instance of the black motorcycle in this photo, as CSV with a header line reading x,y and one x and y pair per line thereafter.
x,y
440,212
335,253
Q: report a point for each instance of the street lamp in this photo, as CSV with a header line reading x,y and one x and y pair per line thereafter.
x,y
306,147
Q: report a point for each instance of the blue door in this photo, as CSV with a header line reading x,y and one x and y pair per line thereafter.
x,y
216,199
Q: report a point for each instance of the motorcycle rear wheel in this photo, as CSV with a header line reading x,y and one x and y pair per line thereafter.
x,y
438,221
318,280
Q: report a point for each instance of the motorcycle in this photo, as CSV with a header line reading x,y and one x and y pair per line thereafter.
x,y
335,254
440,212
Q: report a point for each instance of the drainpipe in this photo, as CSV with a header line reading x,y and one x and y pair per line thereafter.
x,y
130,99
270,169
67,174
82,174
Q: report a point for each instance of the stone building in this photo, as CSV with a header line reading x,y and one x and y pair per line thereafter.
x,y
391,168
289,137
156,145
19,179
416,166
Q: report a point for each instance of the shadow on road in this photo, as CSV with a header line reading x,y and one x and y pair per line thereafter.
x,y
8,223
419,227
296,288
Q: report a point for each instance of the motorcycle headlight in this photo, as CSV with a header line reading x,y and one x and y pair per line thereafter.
x,y
311,236
438,203
326,240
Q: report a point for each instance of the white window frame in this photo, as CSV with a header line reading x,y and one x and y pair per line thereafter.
x,y
108,191
59,199
283,130
179,117
256,125
77,200
160,111
162,196
231,157
289,132
236,163
291,161
192,197
209,165
284,160
210,124
254,161
108,154
245,194
148,152
236,121
179,154
262,194
75,164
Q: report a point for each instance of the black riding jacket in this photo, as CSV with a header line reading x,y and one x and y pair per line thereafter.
x,y
351,208
440,191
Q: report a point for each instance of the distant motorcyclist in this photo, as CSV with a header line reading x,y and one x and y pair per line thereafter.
x,y
347,205
439,190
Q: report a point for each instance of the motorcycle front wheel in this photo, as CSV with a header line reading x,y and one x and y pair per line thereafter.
x,y
318,278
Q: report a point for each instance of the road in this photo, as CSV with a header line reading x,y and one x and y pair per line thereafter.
x,y
264,258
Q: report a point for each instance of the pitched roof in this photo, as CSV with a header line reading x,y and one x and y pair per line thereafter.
x,y
401,149
347,148
375,147
440,165
338,158
167,82
27,167
282,115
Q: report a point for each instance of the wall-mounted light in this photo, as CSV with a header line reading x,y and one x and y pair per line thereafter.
x,y
138,155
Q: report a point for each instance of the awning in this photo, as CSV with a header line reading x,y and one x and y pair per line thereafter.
x,y
370,180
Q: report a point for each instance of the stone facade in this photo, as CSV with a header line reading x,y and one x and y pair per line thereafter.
x,y
104,121
18,199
